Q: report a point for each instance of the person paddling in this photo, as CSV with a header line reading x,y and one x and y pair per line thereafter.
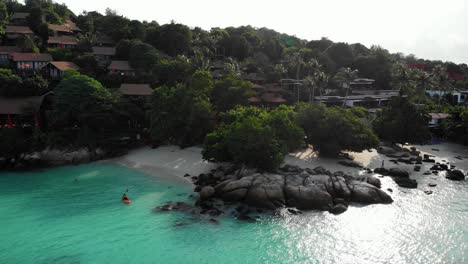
x,y
124,197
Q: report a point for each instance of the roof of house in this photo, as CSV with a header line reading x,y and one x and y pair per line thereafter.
x,y
135,89
72,26
9,49
272,98
31,57
362,81
60,28
18,30
439,115
65,40
19,15
254,99
64,65
108,51
20,105
120,66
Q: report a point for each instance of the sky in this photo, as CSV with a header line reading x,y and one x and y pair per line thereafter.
x,y
429,29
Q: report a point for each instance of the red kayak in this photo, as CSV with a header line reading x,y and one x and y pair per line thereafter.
x,y
127,201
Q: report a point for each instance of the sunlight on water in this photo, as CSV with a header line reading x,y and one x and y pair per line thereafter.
x,y
48,218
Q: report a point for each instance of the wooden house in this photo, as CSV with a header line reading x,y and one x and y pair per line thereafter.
x,y
120,68
30,61
55,69
65,42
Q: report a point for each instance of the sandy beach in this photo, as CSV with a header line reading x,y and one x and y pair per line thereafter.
x,y
172,163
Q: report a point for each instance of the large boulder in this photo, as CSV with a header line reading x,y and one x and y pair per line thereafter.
x,y
266,192
308,197
398,172
362,192
455,175
207,192
386,150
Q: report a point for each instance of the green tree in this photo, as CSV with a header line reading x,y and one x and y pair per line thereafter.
x,y
173,39
180,115
81,100
26,44
3,17
9,82
402,122
249,141
143,56
230,92
332,130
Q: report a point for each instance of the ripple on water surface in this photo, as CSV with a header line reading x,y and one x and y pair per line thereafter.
x,y
48,218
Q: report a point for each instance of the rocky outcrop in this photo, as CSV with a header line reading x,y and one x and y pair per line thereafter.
x,y
455,175
293,187
400,176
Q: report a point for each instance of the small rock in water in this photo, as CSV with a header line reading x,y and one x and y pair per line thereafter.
x,y
390,190
245,218
434,149
187,175
455,175
181,223
428,192
432,185
213,221
427,173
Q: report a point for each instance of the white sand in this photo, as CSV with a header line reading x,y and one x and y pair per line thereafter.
x,y
168,162
172,163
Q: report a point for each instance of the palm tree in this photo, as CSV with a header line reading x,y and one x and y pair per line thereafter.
x,y
344,77
440,78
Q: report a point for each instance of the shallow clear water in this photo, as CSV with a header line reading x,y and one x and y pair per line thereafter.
x,y
48,218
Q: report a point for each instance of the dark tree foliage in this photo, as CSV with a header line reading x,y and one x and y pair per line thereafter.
x,y
456,126
254,137
402,122
84,102
172,39
230,92
180,115
332,130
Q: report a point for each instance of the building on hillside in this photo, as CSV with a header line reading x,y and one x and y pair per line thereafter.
x,y
5,54
55,69
19,19
103,40
120,68
362,84
72,26
64,42
254,77
60,30
23,112
14,32
135,90
30,61
103,55
457,97
437,119
367,101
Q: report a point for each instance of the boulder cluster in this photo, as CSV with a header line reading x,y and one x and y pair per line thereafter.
x,y
290,187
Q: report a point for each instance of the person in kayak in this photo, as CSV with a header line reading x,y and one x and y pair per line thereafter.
x,y
124,197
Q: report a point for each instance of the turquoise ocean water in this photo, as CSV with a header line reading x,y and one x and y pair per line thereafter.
x,y
46,217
